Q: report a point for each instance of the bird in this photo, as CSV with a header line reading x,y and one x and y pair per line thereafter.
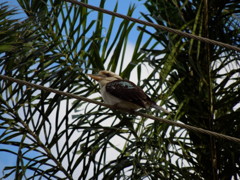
x,y
122,93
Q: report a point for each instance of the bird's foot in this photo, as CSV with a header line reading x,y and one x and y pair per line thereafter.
x,y
118,107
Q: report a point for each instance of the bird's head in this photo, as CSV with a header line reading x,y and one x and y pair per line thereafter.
x,y
104,77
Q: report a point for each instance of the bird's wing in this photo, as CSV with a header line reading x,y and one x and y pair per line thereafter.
x,y
128,91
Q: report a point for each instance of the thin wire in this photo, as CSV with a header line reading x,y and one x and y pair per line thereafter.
x,y
170,122
175,31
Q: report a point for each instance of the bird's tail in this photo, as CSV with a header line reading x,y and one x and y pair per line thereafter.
x,y
160,108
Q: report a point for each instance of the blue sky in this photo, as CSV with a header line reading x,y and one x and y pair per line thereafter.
x,y
109,5
7,159
123,8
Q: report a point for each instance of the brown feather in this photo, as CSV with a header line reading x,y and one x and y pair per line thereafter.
x,y
128,91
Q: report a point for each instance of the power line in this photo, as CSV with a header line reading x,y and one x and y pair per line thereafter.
x,y
175,31
170,122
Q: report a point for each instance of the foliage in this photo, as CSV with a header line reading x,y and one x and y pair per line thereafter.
x,y
205,77
54,137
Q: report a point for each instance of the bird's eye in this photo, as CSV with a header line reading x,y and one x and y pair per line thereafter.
x,y
108,75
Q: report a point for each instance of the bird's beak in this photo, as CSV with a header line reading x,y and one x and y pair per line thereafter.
x,y
95,77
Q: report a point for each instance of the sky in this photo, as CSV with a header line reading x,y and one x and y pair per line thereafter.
x,y
109,5
5,158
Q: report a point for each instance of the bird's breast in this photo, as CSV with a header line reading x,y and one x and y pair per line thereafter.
x,y
108,98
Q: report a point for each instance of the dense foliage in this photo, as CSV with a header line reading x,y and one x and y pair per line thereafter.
x,y
207,94
53,137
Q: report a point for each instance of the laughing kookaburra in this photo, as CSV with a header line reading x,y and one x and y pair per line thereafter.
x,y
121,93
